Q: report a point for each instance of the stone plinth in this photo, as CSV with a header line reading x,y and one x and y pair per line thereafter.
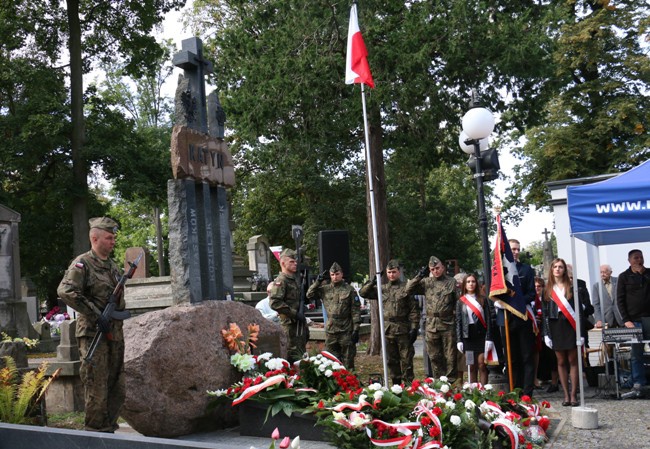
x,y
148,294
66,393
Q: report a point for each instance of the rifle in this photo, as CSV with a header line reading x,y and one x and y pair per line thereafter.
x,y
110,312
297,234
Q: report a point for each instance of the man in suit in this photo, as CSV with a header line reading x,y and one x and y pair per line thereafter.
x,y
606,311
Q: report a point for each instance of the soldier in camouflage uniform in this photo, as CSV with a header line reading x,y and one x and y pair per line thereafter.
x,y
343,314
440,293
401,318
88,283
284,297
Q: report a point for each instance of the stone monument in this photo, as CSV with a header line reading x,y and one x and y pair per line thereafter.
x,y
259,256
14,319
200,249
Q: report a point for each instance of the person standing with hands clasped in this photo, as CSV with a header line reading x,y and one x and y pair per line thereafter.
x,y
343,314
284,297
401,318
559,327
86,286
473,328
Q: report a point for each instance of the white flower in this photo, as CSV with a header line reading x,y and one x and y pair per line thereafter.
x,y
374,387
274,364
363,397
444,388
322,368
444,378
396,389
317,362
358,419
336,366
243,362
455,420
469,404
328,373
295,443
338,416
378,395
217,393
265,356
450,404
488,387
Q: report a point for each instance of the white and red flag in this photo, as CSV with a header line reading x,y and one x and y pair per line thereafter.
x,y
357,69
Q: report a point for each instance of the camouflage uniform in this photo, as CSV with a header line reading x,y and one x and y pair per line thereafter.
x,y
401,316
343,317
284,297
86,286
441,298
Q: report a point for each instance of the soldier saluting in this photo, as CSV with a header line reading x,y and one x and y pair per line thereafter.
x,y
343,314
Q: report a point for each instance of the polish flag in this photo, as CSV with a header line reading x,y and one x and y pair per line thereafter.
x,y
357,69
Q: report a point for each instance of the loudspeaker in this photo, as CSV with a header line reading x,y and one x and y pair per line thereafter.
x,y
334,246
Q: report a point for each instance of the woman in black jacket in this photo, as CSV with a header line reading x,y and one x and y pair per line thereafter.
x,y
473,328
559,327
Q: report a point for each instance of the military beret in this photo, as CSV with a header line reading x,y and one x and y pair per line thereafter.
x,y
288,252
335,268
433,261
392,264
103,223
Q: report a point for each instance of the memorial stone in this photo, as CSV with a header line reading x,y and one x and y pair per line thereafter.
x,y
65,393
132,254
259,256
200,249
14,319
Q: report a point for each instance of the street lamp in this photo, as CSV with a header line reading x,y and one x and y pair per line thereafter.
x,y
478,124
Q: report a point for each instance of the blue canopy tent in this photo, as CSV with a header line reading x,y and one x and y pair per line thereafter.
x,y
609,212
613,211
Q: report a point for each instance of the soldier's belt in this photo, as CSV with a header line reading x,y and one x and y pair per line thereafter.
x,y
443,315
398,320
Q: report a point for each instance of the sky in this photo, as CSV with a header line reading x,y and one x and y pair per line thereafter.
x,y
529,230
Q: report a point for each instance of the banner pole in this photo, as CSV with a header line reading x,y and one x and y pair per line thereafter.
x,y
508,355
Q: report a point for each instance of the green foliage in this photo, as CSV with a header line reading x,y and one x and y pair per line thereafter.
x,y
19,396
597,122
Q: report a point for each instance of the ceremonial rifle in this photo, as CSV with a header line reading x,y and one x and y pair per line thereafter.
x,y
109,311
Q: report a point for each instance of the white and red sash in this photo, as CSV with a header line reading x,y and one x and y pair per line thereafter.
x,y
563,305
475,307
531,317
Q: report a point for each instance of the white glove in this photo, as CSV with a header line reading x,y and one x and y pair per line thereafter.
x,y
459,345
548,341
498,305
489,345
582,341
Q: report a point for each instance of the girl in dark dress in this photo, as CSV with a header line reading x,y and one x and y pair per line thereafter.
x,y
558,312
473,329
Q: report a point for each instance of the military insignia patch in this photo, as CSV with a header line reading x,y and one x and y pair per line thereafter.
x,y
79,265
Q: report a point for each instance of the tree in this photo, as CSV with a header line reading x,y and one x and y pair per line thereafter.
x,y
98,30
598,120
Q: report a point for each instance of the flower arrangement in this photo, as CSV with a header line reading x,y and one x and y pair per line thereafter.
x,y
240,346
54,317
425,414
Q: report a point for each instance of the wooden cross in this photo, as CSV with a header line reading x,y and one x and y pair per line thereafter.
x,y
195,67
546,233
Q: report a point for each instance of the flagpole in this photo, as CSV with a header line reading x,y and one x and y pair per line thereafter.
x,y
508,355
373,214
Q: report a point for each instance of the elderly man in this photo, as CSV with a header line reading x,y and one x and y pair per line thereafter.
x,y
402,318
343,314
86,286
605,309
284,297
633,299
441,297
